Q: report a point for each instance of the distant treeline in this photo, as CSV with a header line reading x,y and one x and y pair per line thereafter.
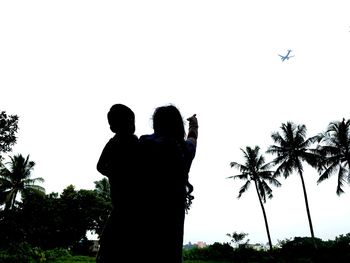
x,y
298,249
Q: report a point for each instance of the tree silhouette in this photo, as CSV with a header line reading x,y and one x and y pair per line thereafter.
x,y
16,179
8,129
334,146
102,187
292,148
237,238
254,169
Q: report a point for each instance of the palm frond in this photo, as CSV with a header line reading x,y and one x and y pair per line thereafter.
x,y
238,166
31,181
273,181
36,188
244,188
328,172
5,172
273,149
244,176
266,166
261,191
267,189
313,159
300,131
308,142
5,183
285,169
278,139
322,136
341,179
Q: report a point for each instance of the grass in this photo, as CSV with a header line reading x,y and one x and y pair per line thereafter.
x,y
73,259
85,259
200,261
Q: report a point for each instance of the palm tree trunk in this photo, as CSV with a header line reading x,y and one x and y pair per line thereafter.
x,y
307,208
265,218
10,204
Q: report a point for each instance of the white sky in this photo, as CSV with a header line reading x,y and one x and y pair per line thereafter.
x,y
64,63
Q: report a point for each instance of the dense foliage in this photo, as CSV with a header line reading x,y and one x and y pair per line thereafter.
x,y
24,253
8,130
52,221
299,249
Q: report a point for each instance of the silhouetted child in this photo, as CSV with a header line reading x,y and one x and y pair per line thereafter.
x,y
117,162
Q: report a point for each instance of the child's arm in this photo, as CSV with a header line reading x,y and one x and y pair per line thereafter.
x,y
103,164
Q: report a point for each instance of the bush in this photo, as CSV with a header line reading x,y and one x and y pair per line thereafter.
x,y
24,253
216,251
56,253
21,252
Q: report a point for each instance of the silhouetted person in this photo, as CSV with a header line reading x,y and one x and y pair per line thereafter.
x,y
117,162
166,158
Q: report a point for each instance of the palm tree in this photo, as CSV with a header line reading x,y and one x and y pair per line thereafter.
x,y
292,148
334,145
16,179
254,169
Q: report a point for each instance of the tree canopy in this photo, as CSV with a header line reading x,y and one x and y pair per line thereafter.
x,y
8,130
334,146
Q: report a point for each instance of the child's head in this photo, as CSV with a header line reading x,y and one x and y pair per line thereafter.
x,y
121,119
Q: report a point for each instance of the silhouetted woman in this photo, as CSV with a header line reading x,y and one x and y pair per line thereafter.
x,y
165,190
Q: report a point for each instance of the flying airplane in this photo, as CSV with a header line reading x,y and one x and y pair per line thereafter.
x,y
286,57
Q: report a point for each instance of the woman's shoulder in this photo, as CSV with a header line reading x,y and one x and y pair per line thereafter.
x,y
147,137
158,142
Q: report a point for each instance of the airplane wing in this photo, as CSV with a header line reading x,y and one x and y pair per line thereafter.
x,y
282,57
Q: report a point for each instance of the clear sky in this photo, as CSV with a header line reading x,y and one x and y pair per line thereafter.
x,y
64,63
